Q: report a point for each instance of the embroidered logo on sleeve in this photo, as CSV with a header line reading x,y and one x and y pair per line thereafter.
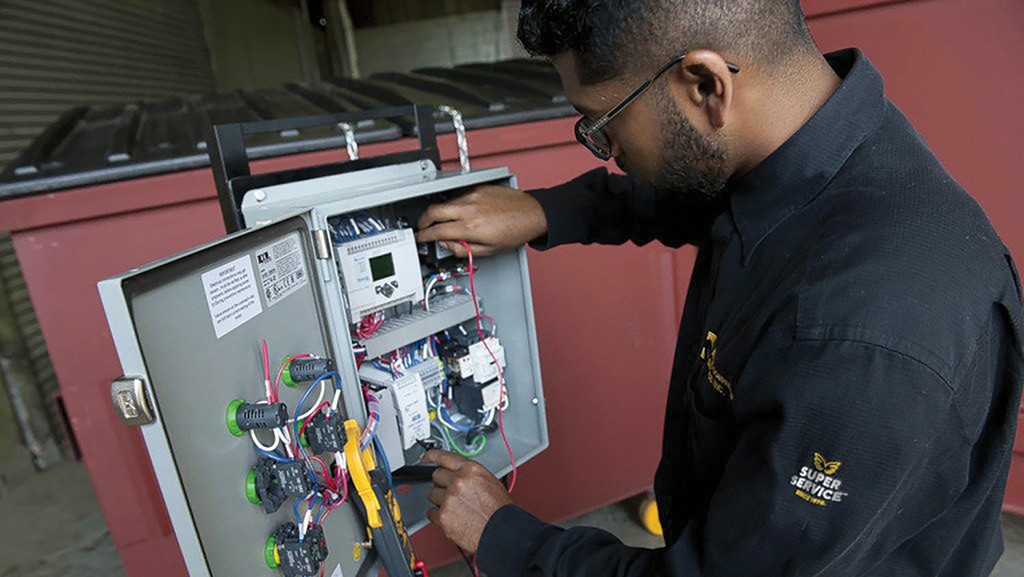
x,y
710,356
818,484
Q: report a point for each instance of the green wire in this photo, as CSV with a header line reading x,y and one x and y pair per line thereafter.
x,y
472,451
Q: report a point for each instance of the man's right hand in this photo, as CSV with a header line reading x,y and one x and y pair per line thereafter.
x,y
491,219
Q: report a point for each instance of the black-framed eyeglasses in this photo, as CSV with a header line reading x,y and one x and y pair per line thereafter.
x,y
590,133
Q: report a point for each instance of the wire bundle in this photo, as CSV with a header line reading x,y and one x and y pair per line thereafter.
x,y
356,226
330,488
370,324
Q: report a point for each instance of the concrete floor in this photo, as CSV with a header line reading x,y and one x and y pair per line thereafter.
x,y
52,527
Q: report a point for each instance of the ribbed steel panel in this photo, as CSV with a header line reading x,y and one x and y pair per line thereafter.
x,y
62,53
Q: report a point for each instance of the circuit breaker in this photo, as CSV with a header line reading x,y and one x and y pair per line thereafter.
x,y
284,376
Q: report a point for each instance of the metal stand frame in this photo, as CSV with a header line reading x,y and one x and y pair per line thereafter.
x,y
230,160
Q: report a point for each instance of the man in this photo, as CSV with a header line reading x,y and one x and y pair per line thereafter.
x,y
849,362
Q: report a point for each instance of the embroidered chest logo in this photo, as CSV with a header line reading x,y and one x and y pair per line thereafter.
x,y
818,484
710,356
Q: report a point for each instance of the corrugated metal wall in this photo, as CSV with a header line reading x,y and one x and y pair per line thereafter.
x,y
55,54
58,54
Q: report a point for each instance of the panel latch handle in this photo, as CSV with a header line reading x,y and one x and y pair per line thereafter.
x,y
132,401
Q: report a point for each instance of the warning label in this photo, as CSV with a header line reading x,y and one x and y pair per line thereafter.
x,y
282,269
231,295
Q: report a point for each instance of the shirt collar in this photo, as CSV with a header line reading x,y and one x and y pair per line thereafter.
x,y
796,173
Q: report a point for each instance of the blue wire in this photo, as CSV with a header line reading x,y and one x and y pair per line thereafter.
x,y
383,457
446,417
273,456
319,512
295,511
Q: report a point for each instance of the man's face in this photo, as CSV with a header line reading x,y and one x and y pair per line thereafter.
x,y
652,139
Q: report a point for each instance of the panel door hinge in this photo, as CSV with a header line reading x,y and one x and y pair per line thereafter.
x,y
321,244
132,401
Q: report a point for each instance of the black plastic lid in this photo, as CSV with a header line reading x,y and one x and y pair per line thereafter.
x,y
99,144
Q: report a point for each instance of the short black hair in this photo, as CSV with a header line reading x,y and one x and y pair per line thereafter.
x,y
620,37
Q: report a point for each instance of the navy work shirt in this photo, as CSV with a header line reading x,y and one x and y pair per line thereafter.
x,y
848,371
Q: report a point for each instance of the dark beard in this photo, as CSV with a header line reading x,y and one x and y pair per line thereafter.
x,y
692,165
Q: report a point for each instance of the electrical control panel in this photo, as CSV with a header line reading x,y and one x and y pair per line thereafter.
x,y
334,351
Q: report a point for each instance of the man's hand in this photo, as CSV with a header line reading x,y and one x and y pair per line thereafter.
x,y
491,219
466,495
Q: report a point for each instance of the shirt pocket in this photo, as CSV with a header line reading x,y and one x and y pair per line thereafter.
x,y
709,443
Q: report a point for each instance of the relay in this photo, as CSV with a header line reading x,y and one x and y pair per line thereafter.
x,y
325,435
270,483
296,558
433,254
474,398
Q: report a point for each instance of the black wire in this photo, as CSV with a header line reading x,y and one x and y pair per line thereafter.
x,y
469,563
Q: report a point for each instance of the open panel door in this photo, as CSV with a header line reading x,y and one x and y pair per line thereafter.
x,y
188,331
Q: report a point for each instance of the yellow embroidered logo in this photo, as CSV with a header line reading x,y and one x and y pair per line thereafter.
x,y
829,468
710,355
818,484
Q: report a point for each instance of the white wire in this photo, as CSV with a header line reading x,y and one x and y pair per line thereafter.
x,y
334,402
305,523
319,399
444,439
285,437
426,294
256,441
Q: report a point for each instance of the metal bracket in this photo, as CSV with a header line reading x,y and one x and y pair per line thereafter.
x,y
460,135
132,401
230,158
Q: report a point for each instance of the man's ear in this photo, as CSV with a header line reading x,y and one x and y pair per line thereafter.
x,y
708,85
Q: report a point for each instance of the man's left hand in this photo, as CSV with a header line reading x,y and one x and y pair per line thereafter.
x,y
466,495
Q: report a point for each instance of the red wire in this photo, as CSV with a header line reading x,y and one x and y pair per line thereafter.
x,y
280,372
343,481
265,351
323,466
497,365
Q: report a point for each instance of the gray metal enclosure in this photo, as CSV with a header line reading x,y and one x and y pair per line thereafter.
x,y
164,330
